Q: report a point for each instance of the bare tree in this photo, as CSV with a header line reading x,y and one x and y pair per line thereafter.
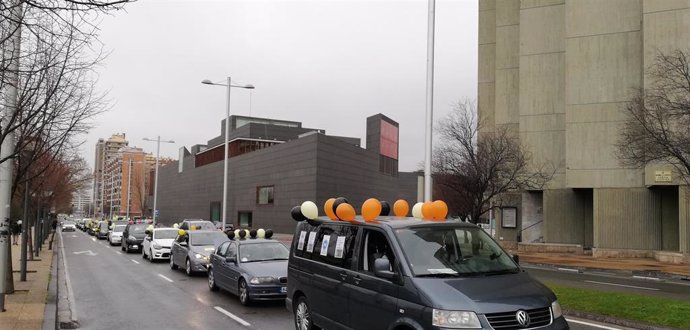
x,y
657,127
139,191
473,166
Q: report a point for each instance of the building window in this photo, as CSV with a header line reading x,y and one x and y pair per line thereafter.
x,y
264,195
245,219
215,211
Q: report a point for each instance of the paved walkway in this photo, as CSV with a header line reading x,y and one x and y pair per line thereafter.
x,y
25,308
623,264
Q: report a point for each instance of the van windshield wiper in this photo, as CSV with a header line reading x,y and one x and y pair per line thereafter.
x,y
498,272
440,275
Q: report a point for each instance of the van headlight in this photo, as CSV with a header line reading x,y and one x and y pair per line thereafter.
x,y
556,309
455,319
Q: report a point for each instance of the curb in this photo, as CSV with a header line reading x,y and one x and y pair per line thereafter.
x,y
614,321
50,314
66,315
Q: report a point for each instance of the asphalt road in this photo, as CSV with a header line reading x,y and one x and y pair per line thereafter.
x,y
612,282
113,289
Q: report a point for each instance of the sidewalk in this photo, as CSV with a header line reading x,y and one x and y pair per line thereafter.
x,y
25,308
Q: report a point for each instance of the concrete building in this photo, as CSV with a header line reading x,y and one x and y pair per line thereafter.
x,y
558,73
275,165
127,180
106,150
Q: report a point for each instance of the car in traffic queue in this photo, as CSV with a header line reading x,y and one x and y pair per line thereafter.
x,y
158,242
253,269
191,249
438,274
102,230
115,234
68,226
133,237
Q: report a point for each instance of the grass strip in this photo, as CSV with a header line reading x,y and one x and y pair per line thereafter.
x,y
651,310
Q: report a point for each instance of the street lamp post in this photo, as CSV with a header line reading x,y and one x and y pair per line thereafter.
x,y
229,85
155,183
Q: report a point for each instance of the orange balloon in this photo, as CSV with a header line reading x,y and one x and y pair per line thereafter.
x,y
400,208
328,208
426,210
346,212
439,210
371,209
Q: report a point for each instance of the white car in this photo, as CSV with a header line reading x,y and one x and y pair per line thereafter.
x,y
69,226
157,243
115,235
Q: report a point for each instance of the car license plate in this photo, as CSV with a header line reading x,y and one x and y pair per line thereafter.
x,y
283,289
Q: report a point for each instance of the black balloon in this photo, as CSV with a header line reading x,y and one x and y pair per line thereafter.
x,y
242,233
314,222
338,201
252,233
296,213
231,234
385,208
269,233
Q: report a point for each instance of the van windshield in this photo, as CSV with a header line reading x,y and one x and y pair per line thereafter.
x,y
443,251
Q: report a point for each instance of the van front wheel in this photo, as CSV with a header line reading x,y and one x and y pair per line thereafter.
x,y
303,315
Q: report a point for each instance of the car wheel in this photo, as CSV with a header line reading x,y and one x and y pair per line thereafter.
x,y
151,255
303,315
172,263
243,292
212,280
188,268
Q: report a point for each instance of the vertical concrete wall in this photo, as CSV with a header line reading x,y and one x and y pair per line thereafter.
x,y
603,65
487,63
507,64
627,219
532,217
684,219
565,215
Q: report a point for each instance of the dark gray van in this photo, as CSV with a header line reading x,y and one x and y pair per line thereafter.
x,y
407,273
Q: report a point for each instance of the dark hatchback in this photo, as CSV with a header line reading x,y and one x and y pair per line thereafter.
x,y
252,269
133,237
412,274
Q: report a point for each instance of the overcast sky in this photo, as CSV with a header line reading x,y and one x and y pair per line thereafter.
x,y
329,64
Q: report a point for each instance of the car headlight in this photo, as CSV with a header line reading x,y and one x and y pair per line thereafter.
x,y
556,309
261,280
200,256
455,319
156,246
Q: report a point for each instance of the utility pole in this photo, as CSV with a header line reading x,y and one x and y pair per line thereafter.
x,y
429,101
155,183
8,97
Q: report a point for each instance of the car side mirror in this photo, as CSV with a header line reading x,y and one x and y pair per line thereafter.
x,y
183,243
382,268
516,258
231,260
148,232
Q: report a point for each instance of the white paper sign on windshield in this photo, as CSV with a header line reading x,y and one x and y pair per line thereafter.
x,y
324,245
310,243
339,246
302,237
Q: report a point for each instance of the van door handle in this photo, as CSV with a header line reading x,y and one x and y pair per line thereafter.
x,y
357,279
343,276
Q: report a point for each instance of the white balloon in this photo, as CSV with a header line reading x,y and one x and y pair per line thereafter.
x,y
310,210
417,210
237,233
176,226
246,233
260,233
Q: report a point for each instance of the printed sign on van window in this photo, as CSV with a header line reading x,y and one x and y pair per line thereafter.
x,y
339,246
324,245
302,237
310,243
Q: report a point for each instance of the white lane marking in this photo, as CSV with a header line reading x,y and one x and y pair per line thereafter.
x,y
232,316
623,285
134,261
93,239
68,283
118,252
647,278
569,270
165,278
592,324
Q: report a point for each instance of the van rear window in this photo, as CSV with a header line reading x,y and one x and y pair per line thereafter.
x,y
329,244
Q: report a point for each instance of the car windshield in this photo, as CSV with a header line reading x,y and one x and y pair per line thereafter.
x,y
165,234
137,229
208,238
68,223
202,225
263,252
442,251
119,229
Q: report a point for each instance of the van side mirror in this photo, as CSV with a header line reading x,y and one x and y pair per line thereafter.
x,y
232,260
382,268
516,258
